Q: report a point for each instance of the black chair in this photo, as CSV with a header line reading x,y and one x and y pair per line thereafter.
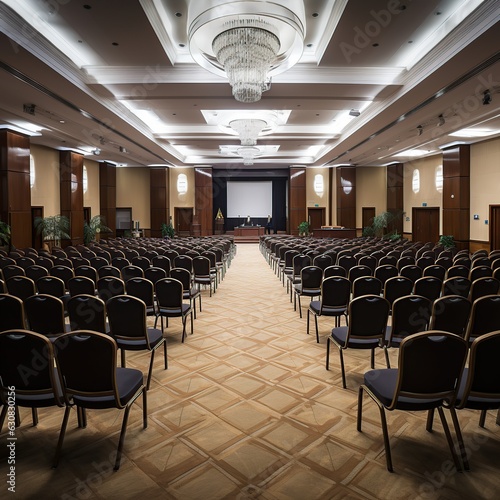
x,y
203,274
86,271
87,312
12,270
358,271
91,379
12,315
142,289
480,272
52,285
189,290
406,260
367,316
435,270
98,261
412,272
450,313
457,270
309,286
169,299
184,261
484,317
79,285
109,286
384,272
334,301
105,271
45,315
366,285
63,272
456,286
428,286
35,271
163,262
346,261
396,287
29,387
21,286
127,323
131,271
483,286
430,366
143,261
154,274
410,314
335,270
119,262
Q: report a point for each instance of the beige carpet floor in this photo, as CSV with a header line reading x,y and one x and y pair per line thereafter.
x,y
246,410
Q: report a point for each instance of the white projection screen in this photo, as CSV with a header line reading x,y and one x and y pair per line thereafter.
x,y
249,198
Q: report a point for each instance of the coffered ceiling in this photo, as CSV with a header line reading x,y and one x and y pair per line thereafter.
x,y
117,78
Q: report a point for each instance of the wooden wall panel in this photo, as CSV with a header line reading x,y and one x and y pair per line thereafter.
x,y
15,202
395,182
71,190
296,199
456,194
346,197
107,194
159,199
203,199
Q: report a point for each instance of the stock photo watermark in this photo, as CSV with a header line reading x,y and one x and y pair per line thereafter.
x,y
11,439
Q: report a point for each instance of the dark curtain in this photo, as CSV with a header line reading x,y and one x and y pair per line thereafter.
x,y
279,204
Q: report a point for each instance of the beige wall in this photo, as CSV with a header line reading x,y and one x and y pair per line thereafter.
x,y
484,185
46,192
427,193
91,197
319,199
371,188
133,190
181,200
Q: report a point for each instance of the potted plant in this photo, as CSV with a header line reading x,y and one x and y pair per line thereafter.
x,y
303,228
167,230
382,224
446,241
91,229
4,235
53,229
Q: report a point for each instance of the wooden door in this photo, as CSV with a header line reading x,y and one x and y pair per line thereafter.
x,y
425,225
316,218
367,215
494,227
36,239
183,220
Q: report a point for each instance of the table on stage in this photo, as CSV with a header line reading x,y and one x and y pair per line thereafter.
x,y
249,230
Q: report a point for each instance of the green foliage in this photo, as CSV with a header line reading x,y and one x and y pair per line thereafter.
x,y
303,228
96,225
4,233
167,230
382,224
53,228
446,241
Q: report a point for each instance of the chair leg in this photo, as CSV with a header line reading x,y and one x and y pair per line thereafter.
x,y
199,298
191,322
61,436
192,303
165,352
34,416
372,359
122,437
316,326
360,408
344,385
2,416
150,371
307,327
430,420
482,418
183,328
122,355
144,409
450,440
300,306
458,432
388,456
327,353
498,417
387,360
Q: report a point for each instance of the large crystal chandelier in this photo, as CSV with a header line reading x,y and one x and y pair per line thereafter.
x,y
247,41
247,50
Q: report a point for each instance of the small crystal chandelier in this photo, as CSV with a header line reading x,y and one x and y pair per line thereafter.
x,y
248,153
247,49
248,129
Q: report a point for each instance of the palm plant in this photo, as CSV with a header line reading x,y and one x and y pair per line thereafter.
x,y
53,228
4,234
91,229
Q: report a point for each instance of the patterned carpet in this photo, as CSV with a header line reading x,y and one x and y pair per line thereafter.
x,y
246,410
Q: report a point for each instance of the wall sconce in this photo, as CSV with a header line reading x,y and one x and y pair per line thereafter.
x,y
346,185
318,185
182,184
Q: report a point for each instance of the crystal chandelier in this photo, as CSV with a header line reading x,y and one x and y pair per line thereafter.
x,y
246,41
248,153
248,130
246,50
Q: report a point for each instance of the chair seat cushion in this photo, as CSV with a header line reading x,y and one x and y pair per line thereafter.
x,y
174,312
382,383
394,342
138,344
339,335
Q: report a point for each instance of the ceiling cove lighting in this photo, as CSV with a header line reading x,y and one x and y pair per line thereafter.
x,y
246,41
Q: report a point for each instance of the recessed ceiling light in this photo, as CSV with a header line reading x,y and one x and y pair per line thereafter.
x,y
474,132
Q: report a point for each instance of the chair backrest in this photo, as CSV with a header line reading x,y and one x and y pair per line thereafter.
x,y
388,259
425,261
476,262
120,262
142,261
480,272
457,270
201,266
410,314
405,260
335,270
335,292
357,271
104,271
63,272
183,275
87,312
450,313
23,348
109,286
45,314
51,285
346,261
21,287
435,270
446,262
98,261
163,262
483,286
411,271
385,271
456,286
322,261
184,261
368,316
397,286
11,312
81,285
169,293
311,278
430,365
35,271
483,374
141,288
368,260
12,270
366,285
154,274
127,318
131,271
484,317
428,286
87,271
25,262
87,363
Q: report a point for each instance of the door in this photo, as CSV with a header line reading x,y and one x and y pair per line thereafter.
x,y
494,227
316,218
367,215
36,239
183,220
425,226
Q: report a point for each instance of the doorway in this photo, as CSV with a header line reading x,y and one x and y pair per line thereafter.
x,y
316,218
36,238
367,216
494,227
183,220
425,225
